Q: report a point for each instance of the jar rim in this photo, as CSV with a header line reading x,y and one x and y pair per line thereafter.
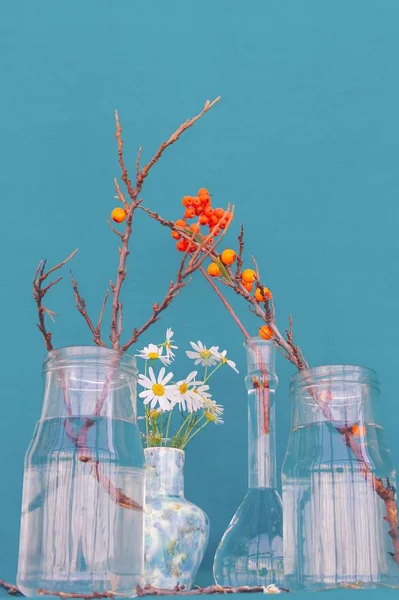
x,y
344,373
257,340
70,355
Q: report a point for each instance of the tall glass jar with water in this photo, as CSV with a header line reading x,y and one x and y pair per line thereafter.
x,y
340,513
251,552
83,493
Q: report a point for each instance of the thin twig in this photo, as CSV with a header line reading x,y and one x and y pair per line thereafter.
x,y
12,589
135,202
43,592
81,306
240,252
226,303
179,590
39,292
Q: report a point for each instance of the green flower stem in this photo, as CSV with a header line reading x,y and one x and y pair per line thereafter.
x,y
207,377
167,427
194,434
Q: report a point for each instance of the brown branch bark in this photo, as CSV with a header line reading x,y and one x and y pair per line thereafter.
x,y
133,192
12,589
81,306
43,592
39,292
179,590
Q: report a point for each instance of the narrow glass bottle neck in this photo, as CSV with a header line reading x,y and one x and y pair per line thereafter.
x,y
164,468
261,383
261,439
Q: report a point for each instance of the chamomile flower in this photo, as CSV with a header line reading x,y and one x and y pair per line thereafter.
x,y
187,395
168,344
157,390
202,390
213,412
153,352
202,355
222,358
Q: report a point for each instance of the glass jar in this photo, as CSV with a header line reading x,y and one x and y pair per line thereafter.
x,y
83,493
250,551
176,530
340,515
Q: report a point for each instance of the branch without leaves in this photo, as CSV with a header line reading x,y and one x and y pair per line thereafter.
x,y
133,191
39,292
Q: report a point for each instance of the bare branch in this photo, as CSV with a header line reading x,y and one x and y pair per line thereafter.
x,y
138,163
134,193
81,306
100,318
118,233
39,292
240,253
120,194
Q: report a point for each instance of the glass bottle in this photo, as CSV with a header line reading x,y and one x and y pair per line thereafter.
x,y
338,483
176,530
250,551
83,493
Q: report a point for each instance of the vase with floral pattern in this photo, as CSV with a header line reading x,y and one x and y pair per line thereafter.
x,y
176,531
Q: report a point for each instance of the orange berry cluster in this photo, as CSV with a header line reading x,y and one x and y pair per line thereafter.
x,y
248,278
200,206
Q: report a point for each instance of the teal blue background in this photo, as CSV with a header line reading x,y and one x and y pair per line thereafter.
x,y
305,143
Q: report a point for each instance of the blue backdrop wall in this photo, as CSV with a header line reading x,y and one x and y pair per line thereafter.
x,y
304,143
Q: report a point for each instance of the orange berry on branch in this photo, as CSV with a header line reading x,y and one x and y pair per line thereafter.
x,y
248,286
248,276
181,223
203,192
208,211
199,210
204,220
182,245
190,212
217,232
205,200
213,270
195,202
213,220
176,235
266,332
186,201
118,215
228,256
195,228
219,213
261,296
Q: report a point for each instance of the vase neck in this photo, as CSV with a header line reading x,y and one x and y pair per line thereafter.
x,y
83,381
342,394
165,475
261,383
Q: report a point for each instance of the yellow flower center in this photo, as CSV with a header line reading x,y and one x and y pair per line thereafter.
x,y
223,360
153,355
210,416
158,389
183,388
168,345
154,414
205,354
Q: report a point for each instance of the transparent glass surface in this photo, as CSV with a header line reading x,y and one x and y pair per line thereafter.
x,y
335,530
251,549
83,493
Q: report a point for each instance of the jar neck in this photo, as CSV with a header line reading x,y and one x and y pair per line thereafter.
x,y
164,469
82,381
261,383
341,394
